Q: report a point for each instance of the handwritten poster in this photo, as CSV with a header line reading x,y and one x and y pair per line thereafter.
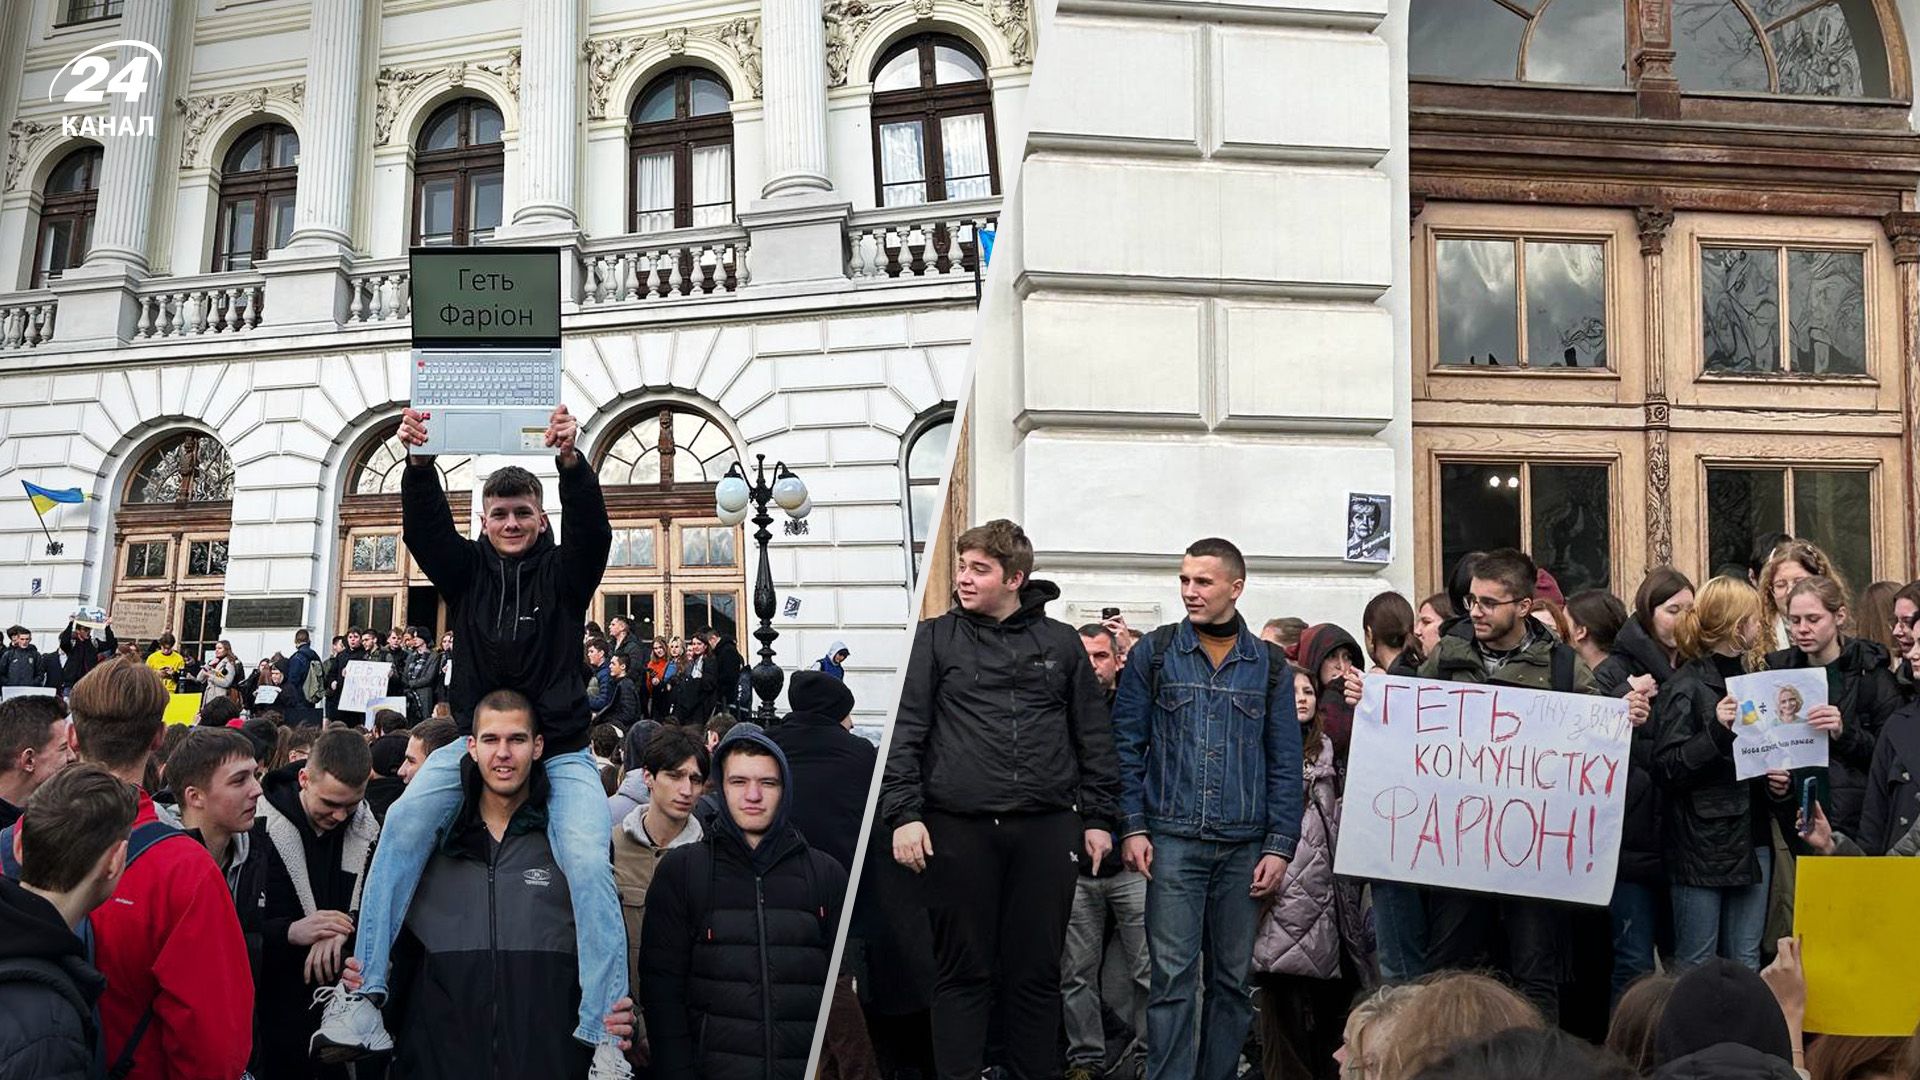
x,y
1854,918
1487,788
1770,729
139,620
365,681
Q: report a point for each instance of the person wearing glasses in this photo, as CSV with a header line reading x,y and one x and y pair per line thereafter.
x,y
1508,648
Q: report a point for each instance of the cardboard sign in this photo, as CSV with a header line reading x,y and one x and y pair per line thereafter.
x,y
139,620
1770,729
365,681
266,695
1487,788
397,704
183,709
1854,918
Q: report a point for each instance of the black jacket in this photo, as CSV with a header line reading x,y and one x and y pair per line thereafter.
x,y
515,622
486,983
420,671
725,664
1892,791
1868,697
693,699
1712,821
23,667
83,654
1635,653
1726,1061
47,992
624,709
1001,718
735,946
832,773
283,999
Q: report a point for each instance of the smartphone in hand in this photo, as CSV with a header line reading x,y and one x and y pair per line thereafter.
x,y
1808,786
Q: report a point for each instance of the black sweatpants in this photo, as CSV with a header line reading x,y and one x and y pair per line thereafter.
x,y
999,891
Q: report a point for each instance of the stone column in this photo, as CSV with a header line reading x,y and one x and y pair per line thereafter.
x,y
132,159
1903,228
549,112
329,152
795,96
1653,222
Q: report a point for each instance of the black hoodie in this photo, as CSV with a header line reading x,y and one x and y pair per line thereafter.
x,y
515,621
47,992
1001,718
832,772
1635,653
736,943
1317,643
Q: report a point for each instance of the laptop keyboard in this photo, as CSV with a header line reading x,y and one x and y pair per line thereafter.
x,y
532,382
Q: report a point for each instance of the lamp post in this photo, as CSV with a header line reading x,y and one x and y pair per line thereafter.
x,y
734,497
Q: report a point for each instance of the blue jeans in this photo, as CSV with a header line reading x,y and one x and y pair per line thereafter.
x,y
1400,927
1728,921
1198,899
1634,913
577,830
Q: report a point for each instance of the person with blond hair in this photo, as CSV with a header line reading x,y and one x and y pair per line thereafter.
x,y
1368,1030
1450,1009
1792,562
1718,835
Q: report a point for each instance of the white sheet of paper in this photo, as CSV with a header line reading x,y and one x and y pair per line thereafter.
x,y
365,680
1769,727
8,693
1489,788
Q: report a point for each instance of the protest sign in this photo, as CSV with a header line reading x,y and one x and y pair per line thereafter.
x,y
93,618
139,620
1770,729
1488,788
397,704
183,708
8,693
266,695
365,680
1854,918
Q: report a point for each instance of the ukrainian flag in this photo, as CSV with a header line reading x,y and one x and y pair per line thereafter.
x,y
45,499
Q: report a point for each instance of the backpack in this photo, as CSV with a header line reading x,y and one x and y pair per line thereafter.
x,y
314,686
142,840
1162,640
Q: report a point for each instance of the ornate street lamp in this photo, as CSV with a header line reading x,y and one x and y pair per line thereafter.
x,y
734,497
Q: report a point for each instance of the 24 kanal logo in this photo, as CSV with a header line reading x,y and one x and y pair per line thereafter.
x,y
90,77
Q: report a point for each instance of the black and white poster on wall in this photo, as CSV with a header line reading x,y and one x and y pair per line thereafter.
x,y
1369,528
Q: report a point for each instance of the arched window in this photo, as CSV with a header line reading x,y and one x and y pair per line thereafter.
x,y
1822,49
933,123
926,467
257,181
458,168
186,468
66,214
1573,42
668,446
681,153
378,470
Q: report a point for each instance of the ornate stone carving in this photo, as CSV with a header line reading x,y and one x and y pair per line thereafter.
x,y
1659,503
393,85
1653,221
849,20
1903,228
1659,414
199,113
608,57
22,137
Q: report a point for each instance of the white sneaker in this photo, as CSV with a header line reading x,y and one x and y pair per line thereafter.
x,y
609,1063
350,1028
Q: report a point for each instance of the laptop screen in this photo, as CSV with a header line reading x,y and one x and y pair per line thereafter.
x,y
478,297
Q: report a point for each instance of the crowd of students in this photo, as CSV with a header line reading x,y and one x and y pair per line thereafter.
x,y
1211,761
284,896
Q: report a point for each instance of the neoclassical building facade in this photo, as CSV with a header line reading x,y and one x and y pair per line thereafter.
x,y
769,215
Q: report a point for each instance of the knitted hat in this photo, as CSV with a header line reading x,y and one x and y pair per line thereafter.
x,y
1722,1002
821,694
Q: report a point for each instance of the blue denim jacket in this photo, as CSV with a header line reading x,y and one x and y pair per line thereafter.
x,y
1208,758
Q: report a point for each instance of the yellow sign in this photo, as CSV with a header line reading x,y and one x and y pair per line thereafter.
x,y
1854,917
183,708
